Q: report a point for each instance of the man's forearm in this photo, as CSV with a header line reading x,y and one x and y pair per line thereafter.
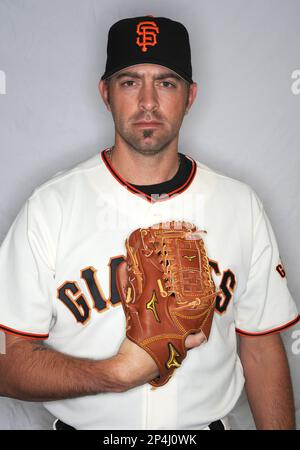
x,y
33,371
268,383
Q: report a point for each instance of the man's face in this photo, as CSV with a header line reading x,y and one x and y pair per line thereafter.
x,y
148,103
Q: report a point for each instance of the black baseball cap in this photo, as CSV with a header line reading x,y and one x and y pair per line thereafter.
x,y
148,39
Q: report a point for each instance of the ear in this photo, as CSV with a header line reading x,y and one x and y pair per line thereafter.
x,y
104,92
193,88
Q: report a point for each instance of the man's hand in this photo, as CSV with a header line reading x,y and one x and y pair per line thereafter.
x,y
194,340
138,367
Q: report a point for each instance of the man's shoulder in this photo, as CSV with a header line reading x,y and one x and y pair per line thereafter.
x,y
227,190
221,179
68,178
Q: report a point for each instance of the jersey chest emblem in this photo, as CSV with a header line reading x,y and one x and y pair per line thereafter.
x,y
81,305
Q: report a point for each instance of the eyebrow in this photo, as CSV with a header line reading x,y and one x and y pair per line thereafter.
x,y
157,77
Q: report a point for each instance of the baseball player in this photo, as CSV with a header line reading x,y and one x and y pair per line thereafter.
x,y
59,304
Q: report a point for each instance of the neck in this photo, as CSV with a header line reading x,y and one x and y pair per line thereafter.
x,y
140,169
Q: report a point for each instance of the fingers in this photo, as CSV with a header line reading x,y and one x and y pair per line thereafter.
x,y
194,340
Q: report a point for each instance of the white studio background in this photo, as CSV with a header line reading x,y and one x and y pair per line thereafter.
x,y
245,122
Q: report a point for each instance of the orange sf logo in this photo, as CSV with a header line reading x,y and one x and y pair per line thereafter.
x,y
147,32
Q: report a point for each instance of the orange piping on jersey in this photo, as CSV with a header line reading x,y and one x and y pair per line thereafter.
x,y
23,333
147,197
117,176
272,331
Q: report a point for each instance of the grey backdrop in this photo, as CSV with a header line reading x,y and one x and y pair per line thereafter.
x,y
244,123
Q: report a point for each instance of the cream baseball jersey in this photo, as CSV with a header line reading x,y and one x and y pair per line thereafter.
x,y
60,257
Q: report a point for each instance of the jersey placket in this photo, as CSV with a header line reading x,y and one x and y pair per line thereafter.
x,y
160,406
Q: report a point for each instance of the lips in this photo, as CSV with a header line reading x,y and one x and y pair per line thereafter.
x,y
147,124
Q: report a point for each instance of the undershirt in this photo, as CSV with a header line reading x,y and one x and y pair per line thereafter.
x,y
182,174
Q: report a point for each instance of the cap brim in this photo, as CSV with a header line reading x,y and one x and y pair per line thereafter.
x,y
175,69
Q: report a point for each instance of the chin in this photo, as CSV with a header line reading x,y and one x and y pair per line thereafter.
x,y
147,145
148,150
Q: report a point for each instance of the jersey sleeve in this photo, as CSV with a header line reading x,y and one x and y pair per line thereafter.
x,y
266,305
27,275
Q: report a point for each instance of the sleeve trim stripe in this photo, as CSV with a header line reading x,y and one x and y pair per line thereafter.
x,y
23,333
273,330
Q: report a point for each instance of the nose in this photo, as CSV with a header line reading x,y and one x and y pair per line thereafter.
x,y
148,100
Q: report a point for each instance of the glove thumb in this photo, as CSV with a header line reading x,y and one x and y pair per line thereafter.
x,y
122,281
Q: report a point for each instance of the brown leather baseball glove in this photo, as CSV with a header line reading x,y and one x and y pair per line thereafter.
x,y
168,292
